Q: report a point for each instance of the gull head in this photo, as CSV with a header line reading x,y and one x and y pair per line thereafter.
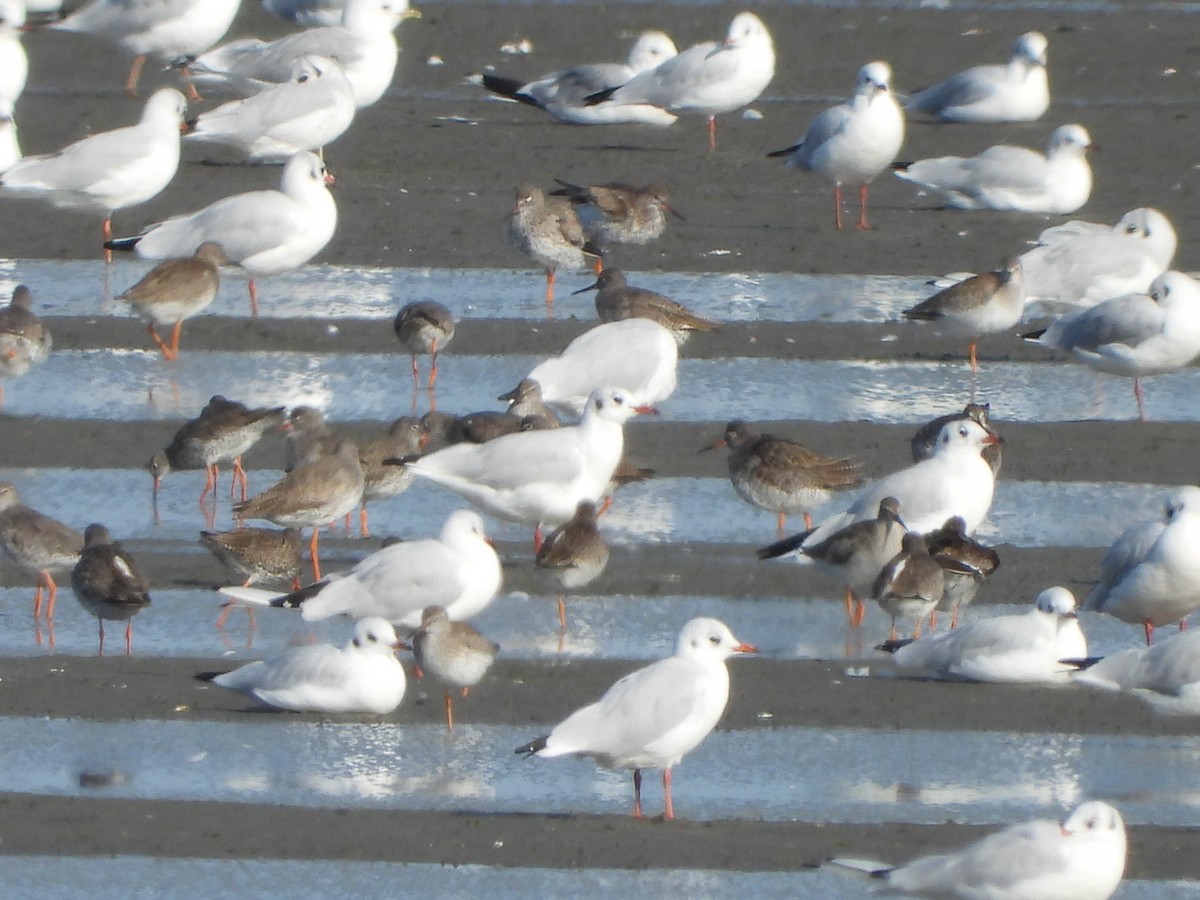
x,y
1056,601
964,435
746,30
375,635
1031,46
874,78
709,639
1069,140
1182,501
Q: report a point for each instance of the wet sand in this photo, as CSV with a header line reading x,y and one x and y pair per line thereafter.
x,y
418,189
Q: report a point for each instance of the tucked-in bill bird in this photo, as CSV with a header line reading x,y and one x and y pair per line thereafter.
x,y
781,475
313,495
538,477
167,29
965,562
1044,645
38,544
574,554
548,231
264,232
854,555
1137,335
637,355
1081,857
562,93
652,717
176,290
708,79
987,303
24,340
223,431
924,442
14,64
616,299
1017,91
109,171
458,570
309,111
1012,178
1166,675
364,676
364,45
527,403
423,328
454,653
854,142
618,213
108,582
258,554
911,584
1151,574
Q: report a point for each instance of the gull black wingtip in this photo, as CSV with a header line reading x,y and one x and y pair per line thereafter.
x,y
783,547
788,151
599,96
533,746
1033,336
125,244
893,646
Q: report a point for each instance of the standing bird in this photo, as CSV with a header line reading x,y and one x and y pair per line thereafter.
x,y
548,231
406,438
1151,573
616,299
452,652
24,340
362,677
264,232
168,29
911,584
925,441
709,79
307,437
258,554
111,170
617,213
983,304
1017,91
1135,335
38,544
574,553
175,290
224,430
1012,178
423,328
854,141
965,563
108,582
854,555
781,475
526,402
652,717
312,495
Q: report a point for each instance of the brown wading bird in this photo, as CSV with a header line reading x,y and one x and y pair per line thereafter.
x,y
224,430
780,475
983,304
616,300
548,231
911,584
525,401
406,437
452,652
108,583
38,544
424,328
313,495
965,563
175,290
619,213
24,340
574,553
259,554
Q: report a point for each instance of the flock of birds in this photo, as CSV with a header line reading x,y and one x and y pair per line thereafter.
x,y
903,539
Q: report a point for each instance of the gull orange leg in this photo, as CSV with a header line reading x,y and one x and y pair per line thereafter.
x,y
637,793
364,529
974,360
253,299
669,810
808,521
192,94
312,549
837,206
106,234
863,224
562,613
135,73
537,538
449,711
129,637
549,293
712,132
1140,396
1149,629
781,522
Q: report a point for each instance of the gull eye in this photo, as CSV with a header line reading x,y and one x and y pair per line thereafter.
x,y
714,639
303,78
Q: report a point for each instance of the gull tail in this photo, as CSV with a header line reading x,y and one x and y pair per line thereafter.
x,y
534,746
127,243
784,547
893,646
901,165
207,676
252,596
1033,336
871,867
787,151
506,87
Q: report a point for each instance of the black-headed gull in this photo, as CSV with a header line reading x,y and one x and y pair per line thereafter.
x,y
911,584
1043,645
781,475
308,13
707,79
24,340
538,477
1137,335
108,582
1165,675
1151,573
548,231
1017,91
987,303
1012,178
176,290
652,717
168,29
454,653
1081,857
38,544
10,146
924,442
364,676
308,111
363,45
457,570
853,142
112,170
638,355
574,553
264,232
562,94
619,213
14,65
616,299
424,327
